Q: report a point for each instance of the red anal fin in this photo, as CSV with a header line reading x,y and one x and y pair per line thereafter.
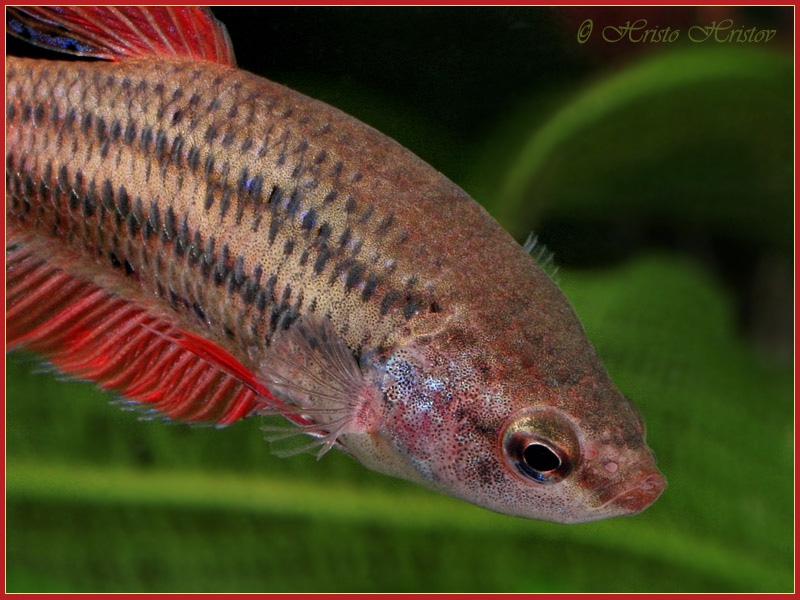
x,y
120,32
92,334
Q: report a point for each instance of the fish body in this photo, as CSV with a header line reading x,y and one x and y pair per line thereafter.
x,y
214,245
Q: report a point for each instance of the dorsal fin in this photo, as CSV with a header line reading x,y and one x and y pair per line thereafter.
x,y
120,32
542,256
90,333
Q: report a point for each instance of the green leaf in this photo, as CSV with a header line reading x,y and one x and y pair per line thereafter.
x,y
700,136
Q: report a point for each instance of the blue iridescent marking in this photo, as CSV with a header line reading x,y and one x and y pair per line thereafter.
x,y
43,39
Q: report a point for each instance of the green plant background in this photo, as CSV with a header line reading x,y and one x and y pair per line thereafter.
x,y
662,179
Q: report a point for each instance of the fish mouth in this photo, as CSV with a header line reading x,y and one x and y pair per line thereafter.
x,y
633,499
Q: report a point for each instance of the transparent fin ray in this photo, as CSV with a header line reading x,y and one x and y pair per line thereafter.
x,y
543,257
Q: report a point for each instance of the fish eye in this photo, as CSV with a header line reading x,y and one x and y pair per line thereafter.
x,y
539,447
540,458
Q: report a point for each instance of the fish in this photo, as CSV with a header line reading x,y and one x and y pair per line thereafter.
x,y
213,246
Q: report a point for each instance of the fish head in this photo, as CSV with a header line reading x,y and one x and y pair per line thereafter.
x,y
460,423
573,466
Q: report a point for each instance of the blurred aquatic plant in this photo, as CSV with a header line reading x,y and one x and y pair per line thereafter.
x,y
700,135
98,500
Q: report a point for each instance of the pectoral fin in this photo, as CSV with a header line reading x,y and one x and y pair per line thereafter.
x,y
311,367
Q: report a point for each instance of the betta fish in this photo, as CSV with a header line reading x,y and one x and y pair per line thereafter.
x,y
211,245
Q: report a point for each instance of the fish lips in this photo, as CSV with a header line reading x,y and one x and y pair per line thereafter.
x,y
633,498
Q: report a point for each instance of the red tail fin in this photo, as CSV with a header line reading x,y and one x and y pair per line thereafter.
x,y
119,32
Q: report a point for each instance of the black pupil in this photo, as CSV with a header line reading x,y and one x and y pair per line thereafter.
x,y
541,458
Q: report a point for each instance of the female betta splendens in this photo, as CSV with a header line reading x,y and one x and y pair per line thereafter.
x,y
213,245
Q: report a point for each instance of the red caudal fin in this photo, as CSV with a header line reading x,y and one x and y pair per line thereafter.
x,y
90,333
120,32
